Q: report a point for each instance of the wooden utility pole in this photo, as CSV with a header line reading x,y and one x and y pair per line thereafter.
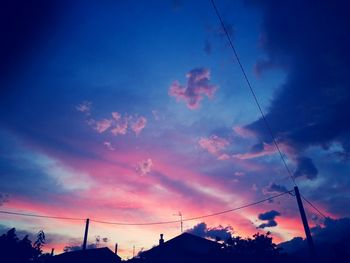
x,y
86,233
305,223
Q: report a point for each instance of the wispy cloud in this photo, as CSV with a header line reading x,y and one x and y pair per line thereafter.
x,y
196,88
118,124
103,125
258,150
139,125
144,167
121,125
84,107
109,145
215,145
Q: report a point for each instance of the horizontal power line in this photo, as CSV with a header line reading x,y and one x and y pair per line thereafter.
x,y
147,223
40,216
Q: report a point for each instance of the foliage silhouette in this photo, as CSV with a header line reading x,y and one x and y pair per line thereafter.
x,y
15,250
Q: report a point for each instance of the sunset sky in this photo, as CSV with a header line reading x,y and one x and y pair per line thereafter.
x,y
131,111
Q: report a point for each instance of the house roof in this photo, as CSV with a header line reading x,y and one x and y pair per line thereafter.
x,y
103,255
184,244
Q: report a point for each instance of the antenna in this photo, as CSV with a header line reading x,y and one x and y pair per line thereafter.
x,y
180,215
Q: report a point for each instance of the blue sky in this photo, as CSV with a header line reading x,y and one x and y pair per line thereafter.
x,y
143,103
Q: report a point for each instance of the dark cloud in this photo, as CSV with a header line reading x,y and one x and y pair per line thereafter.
x,y
312,45
274,188
3,198
269,217
218,233
332,231
305,167
333,234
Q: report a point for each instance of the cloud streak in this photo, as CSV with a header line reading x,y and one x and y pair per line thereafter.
x,y
213,144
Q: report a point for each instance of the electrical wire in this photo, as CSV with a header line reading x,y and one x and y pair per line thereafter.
x,y
147,223
40,216
314,207
258,104
252,91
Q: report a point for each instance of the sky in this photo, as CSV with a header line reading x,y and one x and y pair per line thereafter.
x,y
134,111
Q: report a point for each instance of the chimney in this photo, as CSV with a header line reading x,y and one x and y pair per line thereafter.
x,y
52,251
161,240
116,249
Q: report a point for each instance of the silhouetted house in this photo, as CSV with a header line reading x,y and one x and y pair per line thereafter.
x,y
96,255
183,248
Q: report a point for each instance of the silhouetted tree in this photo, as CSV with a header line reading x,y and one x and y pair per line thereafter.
x,y
14,250
260,248
38,244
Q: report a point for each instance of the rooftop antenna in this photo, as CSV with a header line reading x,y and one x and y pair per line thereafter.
x,y
180,215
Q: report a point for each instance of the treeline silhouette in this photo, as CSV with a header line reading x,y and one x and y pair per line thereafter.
x,y
13,249
186,248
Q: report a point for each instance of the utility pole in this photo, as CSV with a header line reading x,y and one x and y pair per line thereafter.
x,y
86,233
305,223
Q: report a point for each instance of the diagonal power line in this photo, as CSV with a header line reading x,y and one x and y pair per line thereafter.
x,y
252,91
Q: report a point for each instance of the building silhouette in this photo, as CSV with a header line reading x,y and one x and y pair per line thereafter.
x,y
183,248
101,255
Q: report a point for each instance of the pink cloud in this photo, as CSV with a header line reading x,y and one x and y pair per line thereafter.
x,y
268,149
224,156
214,145
139,125
118,194
109,146
239,174
116,115
84,107
243,132
144,167
120,127
103,125
197,87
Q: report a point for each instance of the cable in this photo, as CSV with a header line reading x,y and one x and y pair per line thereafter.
x,y
147,223
252,91
198,217
40,216
314,207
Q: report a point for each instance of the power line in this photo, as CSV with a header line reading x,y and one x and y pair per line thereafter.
x,y
198,217
252,91
314,207
148,223
40,216
258,104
